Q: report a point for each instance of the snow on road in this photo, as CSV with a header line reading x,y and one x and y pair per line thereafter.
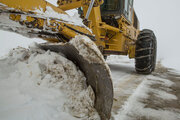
x,y
144,97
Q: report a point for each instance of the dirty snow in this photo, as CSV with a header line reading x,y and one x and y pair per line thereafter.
x,y
81,43
135,109
88,49
40,85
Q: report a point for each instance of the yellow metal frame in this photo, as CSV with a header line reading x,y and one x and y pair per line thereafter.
x,y
109,39
28,7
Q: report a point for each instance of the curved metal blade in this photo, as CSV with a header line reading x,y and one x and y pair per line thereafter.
x,y
96,74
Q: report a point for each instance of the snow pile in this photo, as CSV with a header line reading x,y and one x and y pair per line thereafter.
x,y
12,40
87,48
43,85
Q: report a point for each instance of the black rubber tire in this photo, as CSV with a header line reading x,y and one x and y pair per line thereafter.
x,y
146,51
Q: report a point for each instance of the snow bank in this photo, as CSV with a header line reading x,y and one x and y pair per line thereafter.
x,y
43,85
11,40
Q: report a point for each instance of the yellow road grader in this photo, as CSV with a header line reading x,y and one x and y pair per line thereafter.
x,y
111,24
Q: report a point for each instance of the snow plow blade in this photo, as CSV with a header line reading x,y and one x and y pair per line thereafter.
x,y
97,76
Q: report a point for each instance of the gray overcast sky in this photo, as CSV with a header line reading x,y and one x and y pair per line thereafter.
x,y
163,17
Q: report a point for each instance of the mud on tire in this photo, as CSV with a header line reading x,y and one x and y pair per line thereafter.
x,y
146,49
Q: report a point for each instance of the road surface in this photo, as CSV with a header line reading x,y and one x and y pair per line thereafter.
x,y
144,97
